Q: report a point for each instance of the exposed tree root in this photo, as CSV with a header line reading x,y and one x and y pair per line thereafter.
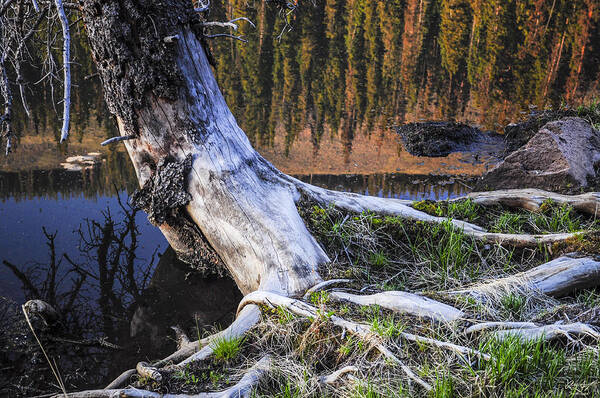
x,y
556,278
531,199
404,303
479,327
335,376
323,285
550,332
194,350
243,388
246,318
363,331
396,207
147,371
446,345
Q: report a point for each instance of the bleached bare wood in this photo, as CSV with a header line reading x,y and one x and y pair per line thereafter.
x,y
64,22
146,371
229,24
246,318
118,139
242,388
556,278
396,207
335,376
303,309
182,338
531,199
121,380
323,285
446,345
479,327
551,332
404,303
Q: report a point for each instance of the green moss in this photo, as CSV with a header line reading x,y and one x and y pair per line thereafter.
x,y
427,207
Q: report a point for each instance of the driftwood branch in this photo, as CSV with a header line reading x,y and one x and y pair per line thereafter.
x,y
64,22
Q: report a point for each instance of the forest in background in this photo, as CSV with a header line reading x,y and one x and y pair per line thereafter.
x,y
349,65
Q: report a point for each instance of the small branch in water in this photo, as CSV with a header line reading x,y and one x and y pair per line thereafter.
x,y
228,24
226,35
117,139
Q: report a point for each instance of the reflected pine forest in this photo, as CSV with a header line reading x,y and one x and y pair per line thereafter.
x,y
349,66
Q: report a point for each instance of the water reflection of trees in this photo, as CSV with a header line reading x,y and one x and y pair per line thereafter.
x,y
112,305
382,62
101,179
401,186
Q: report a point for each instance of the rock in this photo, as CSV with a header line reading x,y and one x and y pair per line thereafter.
x,y
561,155
436,139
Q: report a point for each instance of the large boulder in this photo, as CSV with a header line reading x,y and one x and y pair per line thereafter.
x,y
563,154
436,139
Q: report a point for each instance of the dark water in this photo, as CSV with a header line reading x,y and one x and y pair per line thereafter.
x,y
70,238
318,103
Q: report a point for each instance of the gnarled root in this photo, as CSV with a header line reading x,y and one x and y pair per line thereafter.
x,y
556,278
404,303
531,331
335,376
243,388
246,318
323,285
396,207
363,331
532,199
194,350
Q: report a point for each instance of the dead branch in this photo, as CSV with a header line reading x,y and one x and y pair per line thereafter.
x,y
66,68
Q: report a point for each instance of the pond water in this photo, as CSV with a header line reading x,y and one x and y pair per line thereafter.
x,y
317,104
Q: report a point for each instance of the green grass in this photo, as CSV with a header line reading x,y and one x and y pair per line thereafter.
x,y
509,222
513,305
443,386
554,218
516,363
226,348
590,112
463,210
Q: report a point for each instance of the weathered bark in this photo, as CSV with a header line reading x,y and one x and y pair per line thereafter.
x,y
216,200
